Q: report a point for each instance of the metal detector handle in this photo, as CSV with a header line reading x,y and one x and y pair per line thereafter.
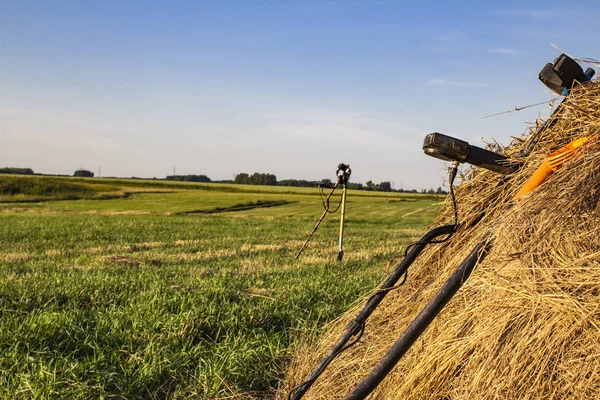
x,y
345,172
354,327
343,167
553,75
551,163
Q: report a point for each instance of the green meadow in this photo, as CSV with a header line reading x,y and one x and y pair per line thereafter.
x,y
135,289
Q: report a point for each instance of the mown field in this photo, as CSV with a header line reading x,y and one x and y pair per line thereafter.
x,y
149,289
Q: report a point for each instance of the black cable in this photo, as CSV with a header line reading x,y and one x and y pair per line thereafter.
x,y
455,210
325,207
334,355
451,177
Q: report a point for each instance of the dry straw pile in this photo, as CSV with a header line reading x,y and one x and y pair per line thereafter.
x,y
526,325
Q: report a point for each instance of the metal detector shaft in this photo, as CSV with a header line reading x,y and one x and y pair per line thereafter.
x,y
320,219
342,218
355,326
422,321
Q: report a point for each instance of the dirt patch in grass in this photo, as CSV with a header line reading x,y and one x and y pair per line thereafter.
x,y
261,247
242,206
127,212
14,257
122,260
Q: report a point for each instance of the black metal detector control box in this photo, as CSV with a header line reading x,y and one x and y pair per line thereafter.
x,y
563,74
448,148
445,147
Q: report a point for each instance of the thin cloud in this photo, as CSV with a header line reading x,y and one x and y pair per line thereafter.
x,y
446,38
47,117
504,50
362,130
446,82
331,132
536,14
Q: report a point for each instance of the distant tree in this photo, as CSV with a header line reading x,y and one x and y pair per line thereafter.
x,y
326,182
440,191
356,186
384,187
369,185
84,173
242,178
271,180
256,179
431,191
188,178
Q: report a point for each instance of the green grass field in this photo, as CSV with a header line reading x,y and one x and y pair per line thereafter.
x,y
152,289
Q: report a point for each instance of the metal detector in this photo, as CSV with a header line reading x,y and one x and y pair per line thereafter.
x,y
343,175
385,365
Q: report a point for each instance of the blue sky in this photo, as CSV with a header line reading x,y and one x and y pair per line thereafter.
x,y
286,87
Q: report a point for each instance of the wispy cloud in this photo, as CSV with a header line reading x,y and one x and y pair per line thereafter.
x,y
446,38
332,133
45,128
536,14
446,82
459,62
362,130
503,50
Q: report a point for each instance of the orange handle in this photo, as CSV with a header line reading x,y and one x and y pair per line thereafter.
x,y
552,163
538,177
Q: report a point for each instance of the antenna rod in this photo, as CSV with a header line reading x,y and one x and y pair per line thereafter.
x,y
519,108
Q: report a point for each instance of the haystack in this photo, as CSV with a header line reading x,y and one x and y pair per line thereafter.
x,y
526,325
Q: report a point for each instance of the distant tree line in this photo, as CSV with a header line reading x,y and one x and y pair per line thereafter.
x,y
270,179
18,171
379,187
188,178
431,191
297,183
256,179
